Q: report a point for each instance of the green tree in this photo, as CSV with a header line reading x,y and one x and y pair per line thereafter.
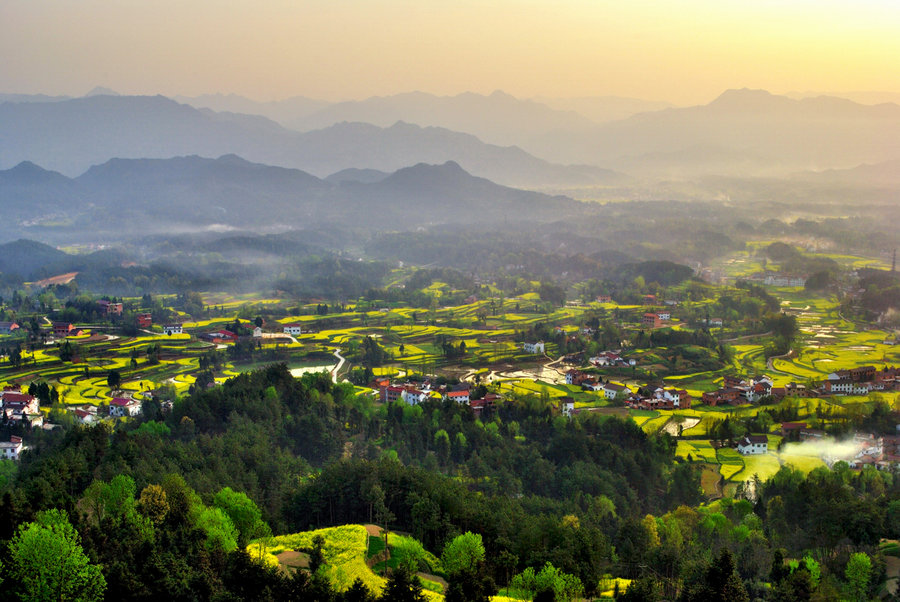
x,y
114,379
402,586
858,573
220,533
48,562
245,515
463,553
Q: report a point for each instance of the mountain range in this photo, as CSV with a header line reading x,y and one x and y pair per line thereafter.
x,y
194,193
71,135
742,132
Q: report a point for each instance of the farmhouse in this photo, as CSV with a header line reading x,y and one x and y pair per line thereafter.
x,y
576,377
21,406
293,329
171,329
607,358
108,308
612,390
413,396
604,298
144,320
753,444
8,327
219,336
121,406
649,320
488,402
64,329
567,406
664,315
10,450
591,384
83,416
458,396
534,348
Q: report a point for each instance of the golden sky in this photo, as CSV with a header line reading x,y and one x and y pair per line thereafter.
x,y
682,51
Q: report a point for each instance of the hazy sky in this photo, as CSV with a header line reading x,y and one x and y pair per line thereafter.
x,y
683,51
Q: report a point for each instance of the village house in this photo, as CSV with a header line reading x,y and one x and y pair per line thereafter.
x,y
664,315
649,320
753,445
566,406
144,320
649,299
607,358
413,396
293,329
534,348
85,415
108,308
21,407
612,390
64,329
791,430
219,336
12,449
488,402
8,327
604,298
171,329
461,397
591,384
575,377
121,406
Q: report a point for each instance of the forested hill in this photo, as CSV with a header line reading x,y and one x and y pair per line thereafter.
x,y
511,476
162,506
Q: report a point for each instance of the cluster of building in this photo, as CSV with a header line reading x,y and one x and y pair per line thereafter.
x,y
861,380
22,408
662,398
416,393
610,359
737,391
590,382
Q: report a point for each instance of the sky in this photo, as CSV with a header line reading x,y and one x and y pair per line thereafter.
x,y
680,51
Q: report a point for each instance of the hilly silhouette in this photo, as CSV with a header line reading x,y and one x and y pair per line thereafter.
x,y
195,193
71,135
741,132
498,118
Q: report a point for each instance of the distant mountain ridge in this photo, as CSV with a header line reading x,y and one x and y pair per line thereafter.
x,y
71,135
777,135
185,193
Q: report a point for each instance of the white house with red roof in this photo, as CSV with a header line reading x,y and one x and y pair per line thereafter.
x,y
461,396
20,406
124,406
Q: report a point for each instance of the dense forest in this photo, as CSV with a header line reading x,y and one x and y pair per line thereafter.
x,y
164,504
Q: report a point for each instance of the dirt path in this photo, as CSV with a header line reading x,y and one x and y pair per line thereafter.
x,y
893,573
787,355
